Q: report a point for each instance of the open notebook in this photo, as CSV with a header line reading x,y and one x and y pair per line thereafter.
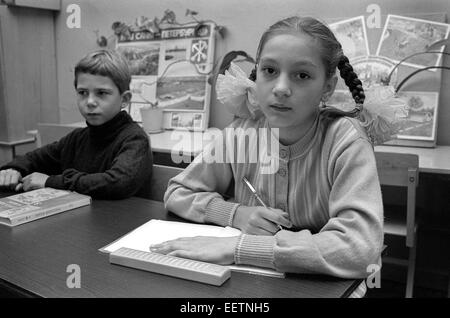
x,y
158,231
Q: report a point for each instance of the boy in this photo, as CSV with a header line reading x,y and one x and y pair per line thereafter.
x,y
110,158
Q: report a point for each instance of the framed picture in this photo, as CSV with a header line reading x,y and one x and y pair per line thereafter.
x,y
418,124
414,114
403,36
142,57
185,120
143,89
352,35
171,68
374,70
182,93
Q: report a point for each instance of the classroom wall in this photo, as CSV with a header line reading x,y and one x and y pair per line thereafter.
x,y
245,21
28,73
28,84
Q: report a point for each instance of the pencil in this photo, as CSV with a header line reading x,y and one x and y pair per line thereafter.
x,y
252,190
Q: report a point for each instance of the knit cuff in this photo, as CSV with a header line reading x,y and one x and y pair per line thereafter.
x,y
255,250
55,182
221,212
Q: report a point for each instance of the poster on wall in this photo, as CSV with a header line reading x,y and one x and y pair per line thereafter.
x,y
414,114
402,45
170,70
404,36
419,120
352,35
375,71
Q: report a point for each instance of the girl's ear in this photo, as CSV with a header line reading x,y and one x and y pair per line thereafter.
x,y
126,98
329,87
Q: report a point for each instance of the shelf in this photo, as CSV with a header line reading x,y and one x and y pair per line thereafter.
x,y
38,4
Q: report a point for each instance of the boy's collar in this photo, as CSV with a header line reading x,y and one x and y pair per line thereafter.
x,y
110,127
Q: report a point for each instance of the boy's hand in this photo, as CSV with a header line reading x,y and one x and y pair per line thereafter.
x,y
9,179
259,220
34,181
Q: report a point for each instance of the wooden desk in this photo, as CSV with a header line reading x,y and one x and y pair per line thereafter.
x,y
431,160
34,258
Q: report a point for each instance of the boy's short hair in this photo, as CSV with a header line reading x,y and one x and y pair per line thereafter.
x,y
106,63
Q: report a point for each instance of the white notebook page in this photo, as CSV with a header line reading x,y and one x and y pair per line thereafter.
x,y
158,231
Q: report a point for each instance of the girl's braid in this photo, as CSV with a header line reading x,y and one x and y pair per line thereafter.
x,y
355,87
352,81
252,76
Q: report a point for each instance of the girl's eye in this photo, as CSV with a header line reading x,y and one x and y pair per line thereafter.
x,y
102,93
302,76
82,93
268,70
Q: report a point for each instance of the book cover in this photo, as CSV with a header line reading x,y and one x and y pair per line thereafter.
x,y
28,206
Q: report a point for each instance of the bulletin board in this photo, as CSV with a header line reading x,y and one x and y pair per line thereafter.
x,y
170,71
397,54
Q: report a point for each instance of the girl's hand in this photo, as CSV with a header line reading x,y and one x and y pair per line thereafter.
x,y
260,221
10,179
34,181
218,250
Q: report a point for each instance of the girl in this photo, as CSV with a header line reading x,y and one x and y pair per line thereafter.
x,y
325,192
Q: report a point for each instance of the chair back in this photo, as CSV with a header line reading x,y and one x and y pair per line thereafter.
x,y
398,169
160,179
50,132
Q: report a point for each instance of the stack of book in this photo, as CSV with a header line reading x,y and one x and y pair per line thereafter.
x,y
28,206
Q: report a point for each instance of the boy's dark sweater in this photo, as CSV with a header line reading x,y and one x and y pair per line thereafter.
x,y
110,161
